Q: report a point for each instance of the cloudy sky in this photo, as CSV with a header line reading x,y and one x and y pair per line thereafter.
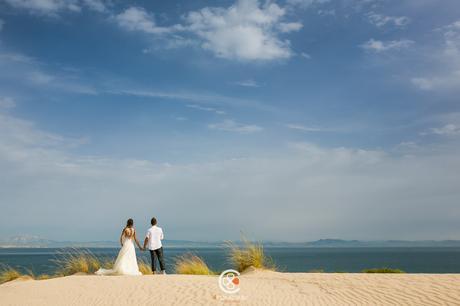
x,y
289,120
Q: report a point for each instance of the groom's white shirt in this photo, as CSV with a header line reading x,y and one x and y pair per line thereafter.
x,y
155,235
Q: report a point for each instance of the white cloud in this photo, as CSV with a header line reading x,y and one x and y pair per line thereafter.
x,y
247,83
446,130
137,19
45,7
304,128
382,20
7,102
379,46
206,109
232,126
246,30
287,27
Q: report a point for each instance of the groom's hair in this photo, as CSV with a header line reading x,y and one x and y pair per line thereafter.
x,y
153,221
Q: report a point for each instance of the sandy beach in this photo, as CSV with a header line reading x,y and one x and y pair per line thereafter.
x,y
257,288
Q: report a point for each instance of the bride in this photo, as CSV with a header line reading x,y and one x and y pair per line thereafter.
x,y
126,263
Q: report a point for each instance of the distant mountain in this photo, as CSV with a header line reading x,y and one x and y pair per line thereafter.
x,y
28,241
25,241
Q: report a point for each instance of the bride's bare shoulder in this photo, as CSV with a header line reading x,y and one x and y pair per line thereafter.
x,y
128,231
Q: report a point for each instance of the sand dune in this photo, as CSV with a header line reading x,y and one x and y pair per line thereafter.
x,y
257,288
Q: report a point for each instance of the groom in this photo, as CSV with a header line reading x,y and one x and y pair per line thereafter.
x,y
153,238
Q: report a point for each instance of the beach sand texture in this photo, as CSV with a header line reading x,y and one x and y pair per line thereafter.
x,y
257,288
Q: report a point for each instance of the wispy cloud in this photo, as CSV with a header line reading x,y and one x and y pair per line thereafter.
x,y
232,126
54,7
7,102
304,128
247,83
180,118
305,55
448,81
379,46
37,75
96,5
382,20
16,57
45,7
206,109
306,3
202,98
446,130
286,27
447,63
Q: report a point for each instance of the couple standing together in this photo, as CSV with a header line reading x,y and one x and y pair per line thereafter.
x,y
126,263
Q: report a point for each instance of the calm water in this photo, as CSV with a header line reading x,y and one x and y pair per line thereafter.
x,y
414,260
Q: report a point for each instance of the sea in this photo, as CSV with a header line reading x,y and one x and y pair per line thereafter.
x,y
287,259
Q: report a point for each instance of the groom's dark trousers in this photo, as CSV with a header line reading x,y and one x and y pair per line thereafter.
x,y
158,253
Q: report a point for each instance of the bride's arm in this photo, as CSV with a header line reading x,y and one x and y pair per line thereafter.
x,y
121,237
137,241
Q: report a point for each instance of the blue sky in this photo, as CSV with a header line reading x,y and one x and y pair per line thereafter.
x,y
290,120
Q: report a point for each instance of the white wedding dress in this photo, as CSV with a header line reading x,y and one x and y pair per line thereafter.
x,y
126,263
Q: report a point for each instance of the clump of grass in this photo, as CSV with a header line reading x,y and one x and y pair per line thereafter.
x,y
144,267
77,261
192,264
43,277
8,273
107,263
382,270
250,254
